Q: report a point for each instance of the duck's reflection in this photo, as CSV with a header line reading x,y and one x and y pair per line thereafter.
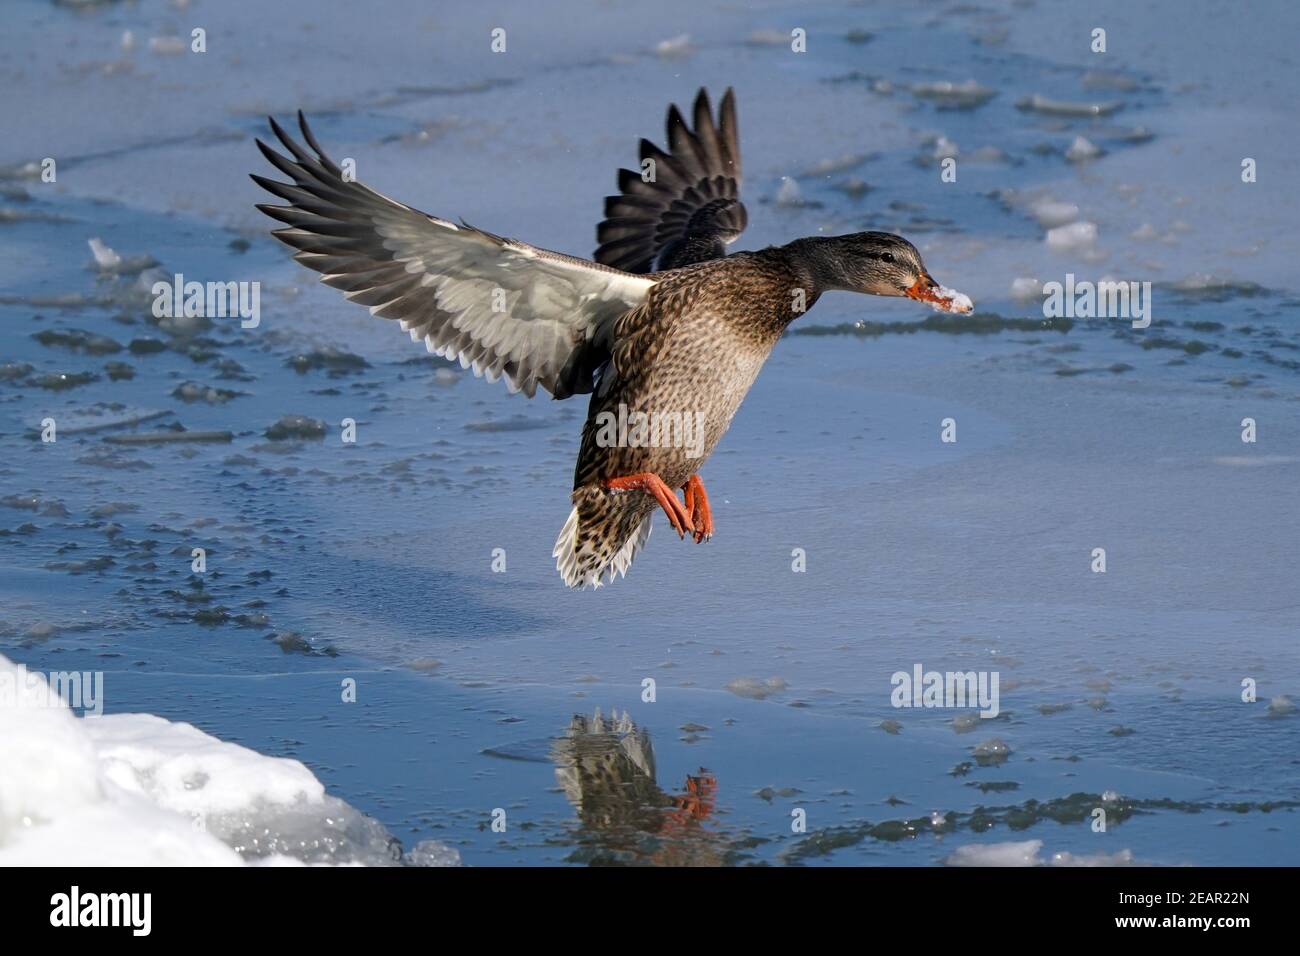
x,y
606,767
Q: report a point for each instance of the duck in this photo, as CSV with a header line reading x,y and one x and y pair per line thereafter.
x,y
663,327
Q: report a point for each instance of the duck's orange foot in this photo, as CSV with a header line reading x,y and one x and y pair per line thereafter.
x,y
697,504
698,800
678,516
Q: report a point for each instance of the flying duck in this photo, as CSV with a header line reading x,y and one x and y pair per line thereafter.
x,y
664,329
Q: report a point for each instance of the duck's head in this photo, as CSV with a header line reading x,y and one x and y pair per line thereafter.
x,y
881,263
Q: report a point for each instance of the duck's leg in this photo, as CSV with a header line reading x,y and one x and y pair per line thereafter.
x,y
697,506
649,481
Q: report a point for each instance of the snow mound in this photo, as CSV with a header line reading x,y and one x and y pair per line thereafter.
x,y
1027,853
138,790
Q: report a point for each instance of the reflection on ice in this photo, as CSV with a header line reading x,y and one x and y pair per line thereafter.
x,y
606,768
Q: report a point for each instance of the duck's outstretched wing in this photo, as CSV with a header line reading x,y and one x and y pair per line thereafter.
x,y
684,205
501,307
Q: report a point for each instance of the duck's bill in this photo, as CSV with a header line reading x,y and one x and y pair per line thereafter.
x,y
938,297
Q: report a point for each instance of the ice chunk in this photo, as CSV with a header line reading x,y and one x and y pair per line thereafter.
x,y
296,427
992,748
956,96
755,688
1051,213
674,48
105,258
1281,706
58,807
965,722
1070,238
944,148
789,193
108,261
1016,853
138,790
1041,104
1100,858
1026,853
943,299
960,302
1026,289
1082,150
432,853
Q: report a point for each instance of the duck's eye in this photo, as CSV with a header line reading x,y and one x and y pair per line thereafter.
x,y
887,256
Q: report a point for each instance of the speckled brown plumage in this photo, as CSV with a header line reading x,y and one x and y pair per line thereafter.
x,y
695,346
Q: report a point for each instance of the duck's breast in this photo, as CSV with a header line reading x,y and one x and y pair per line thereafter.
x,y
682,373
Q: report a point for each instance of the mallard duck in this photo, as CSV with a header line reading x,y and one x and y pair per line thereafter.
x,y
664,329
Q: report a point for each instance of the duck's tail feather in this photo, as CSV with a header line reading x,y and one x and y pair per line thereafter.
x,y
602,536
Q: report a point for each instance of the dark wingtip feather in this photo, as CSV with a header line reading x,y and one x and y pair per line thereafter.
x,y
274,158
278,130
310,138
702,105
268,184
674,120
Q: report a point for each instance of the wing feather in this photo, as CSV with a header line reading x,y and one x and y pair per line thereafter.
x,y
500,307
691,211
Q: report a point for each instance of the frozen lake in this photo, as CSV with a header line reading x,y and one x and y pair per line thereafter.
x,y
372,562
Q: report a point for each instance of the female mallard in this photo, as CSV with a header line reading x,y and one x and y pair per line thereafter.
x,y
664,329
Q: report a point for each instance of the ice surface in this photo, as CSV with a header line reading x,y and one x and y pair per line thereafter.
x,y
922,551
138,790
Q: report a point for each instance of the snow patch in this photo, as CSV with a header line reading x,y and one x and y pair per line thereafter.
x,y
952,301
138,790
1027,853
1072,237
